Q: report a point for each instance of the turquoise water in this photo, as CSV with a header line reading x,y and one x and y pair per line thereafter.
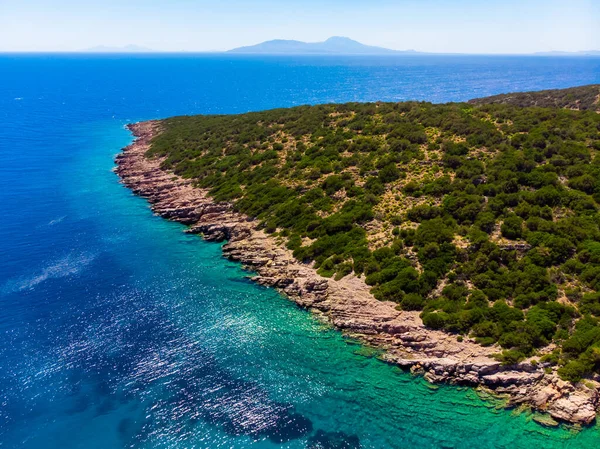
x,y
119,330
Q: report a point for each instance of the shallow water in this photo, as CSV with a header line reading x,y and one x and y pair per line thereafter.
x,y
118,330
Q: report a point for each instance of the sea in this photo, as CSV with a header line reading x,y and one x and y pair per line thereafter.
x,y
118,330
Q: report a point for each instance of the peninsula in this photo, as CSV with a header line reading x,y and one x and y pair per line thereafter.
x,y
463,239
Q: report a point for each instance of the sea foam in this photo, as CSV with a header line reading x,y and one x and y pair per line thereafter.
x,y
71,264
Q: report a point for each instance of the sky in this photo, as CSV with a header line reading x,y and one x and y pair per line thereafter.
x,y
455,26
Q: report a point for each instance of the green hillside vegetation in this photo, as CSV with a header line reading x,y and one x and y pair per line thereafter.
x,y
485,218
584,98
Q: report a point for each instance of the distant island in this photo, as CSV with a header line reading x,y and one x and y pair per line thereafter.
x,y
333,46
463,239
568,53
336,45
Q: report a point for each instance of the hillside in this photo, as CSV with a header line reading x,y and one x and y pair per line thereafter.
x,y
333,45
485,218
585,98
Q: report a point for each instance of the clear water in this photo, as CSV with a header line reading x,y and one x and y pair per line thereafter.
x,y
118,330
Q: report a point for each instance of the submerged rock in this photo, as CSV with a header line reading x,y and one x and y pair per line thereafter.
x,y
332,440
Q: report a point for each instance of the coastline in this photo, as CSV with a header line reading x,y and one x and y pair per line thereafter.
x,y
348,304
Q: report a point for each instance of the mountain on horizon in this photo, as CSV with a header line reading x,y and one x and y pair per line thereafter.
x,y
125,49
333,45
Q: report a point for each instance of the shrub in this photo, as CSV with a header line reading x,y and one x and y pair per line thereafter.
x,y
512,227
412,301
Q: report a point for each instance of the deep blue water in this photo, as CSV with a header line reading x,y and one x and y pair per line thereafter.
x,y
118,330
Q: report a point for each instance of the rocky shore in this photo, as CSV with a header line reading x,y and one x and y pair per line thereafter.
x,y
348,303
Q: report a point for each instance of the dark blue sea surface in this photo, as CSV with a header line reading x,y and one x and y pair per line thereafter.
x,y
117,330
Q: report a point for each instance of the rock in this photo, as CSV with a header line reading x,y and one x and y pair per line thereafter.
x,y
544,396
515,247
512,378
545,420
577,407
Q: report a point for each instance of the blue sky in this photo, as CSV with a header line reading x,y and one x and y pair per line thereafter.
x,y
466,26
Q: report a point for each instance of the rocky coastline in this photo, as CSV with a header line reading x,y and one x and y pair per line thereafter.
x,y
348,304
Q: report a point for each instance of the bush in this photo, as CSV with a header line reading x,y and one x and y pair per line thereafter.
x,y
574,371
412,301
434,320
512,227
510,357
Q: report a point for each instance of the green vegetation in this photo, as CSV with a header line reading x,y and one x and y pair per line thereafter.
x,y
584,98
483,217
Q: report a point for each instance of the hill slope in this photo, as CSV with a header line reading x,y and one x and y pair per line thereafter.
x,y
584,98
485,218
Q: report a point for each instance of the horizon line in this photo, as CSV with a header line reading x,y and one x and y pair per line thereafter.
x,y
400,53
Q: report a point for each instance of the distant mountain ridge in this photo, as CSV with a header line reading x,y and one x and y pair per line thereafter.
x,y
333,45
